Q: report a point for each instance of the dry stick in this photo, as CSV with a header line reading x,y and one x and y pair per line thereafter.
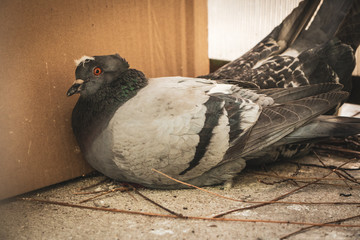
x,y
267,202
104,193
308,203
88,193
297,178
352,141
319,183
349,178
96,208
275,182
337,221
349,175
128,192
297,170
339,149
193,186
280,181
94,185
155,203
307,228
184,217
329,166
279,197
331,184
336,172
131,195
357,113
340,175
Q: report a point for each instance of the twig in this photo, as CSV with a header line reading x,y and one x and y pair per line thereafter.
x,y
183,217
128,192
262,204
355,114
284,179
131,195
339,149
337,221
193,186
279,197
307,228
104,193
340,175
329,166
336,172
297,170
155,203
352,141
332,184
275,182
94,185
97,208
298,178
256,202
348,178
349,175
88,193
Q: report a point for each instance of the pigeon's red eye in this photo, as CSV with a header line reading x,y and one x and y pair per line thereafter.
x,y
97,71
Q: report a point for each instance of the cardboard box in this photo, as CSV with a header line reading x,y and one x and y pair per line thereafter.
x,y
38,43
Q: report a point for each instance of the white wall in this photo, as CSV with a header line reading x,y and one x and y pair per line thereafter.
x,y
235,26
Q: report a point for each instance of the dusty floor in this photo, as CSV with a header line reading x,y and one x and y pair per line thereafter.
x,y
21,219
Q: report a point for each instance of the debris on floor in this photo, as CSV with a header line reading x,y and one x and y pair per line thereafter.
x,y
317,196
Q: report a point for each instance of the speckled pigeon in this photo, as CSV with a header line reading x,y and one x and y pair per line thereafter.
x,y
197,130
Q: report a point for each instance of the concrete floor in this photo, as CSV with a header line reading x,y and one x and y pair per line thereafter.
x,y
33,220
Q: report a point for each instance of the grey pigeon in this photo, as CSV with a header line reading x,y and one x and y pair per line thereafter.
x,y
198,130
193,129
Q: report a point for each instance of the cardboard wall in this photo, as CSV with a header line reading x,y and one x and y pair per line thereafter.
x,y
39,41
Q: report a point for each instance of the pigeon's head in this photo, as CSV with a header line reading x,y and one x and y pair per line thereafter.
x,y
94,72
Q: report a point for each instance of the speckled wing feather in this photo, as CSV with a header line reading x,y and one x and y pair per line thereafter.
x,y
277,121
349,30
285,95
283,119
295,54
243,67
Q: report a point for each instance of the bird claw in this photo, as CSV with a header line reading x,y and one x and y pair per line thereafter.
x,y
228,184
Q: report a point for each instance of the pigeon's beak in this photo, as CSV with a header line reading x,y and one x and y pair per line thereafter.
x,y
75,88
